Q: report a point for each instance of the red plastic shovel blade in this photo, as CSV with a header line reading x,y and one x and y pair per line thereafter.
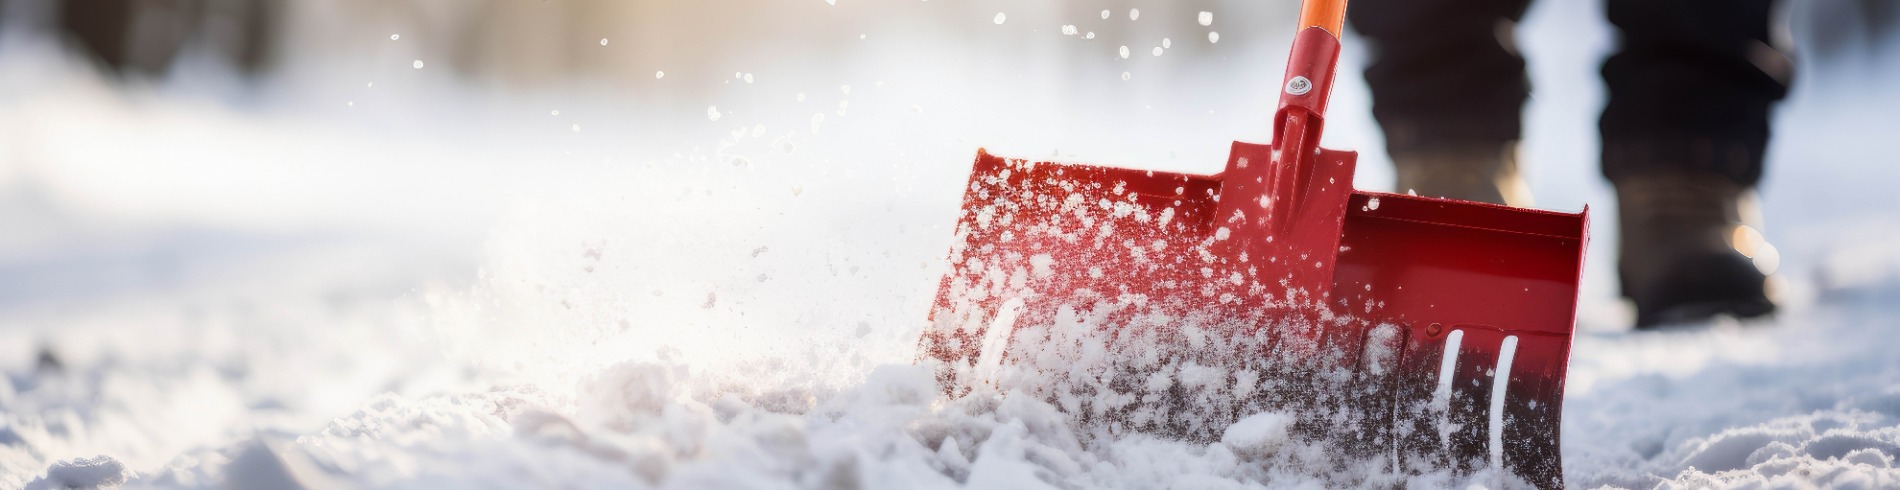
x,y
1498,285
1412,305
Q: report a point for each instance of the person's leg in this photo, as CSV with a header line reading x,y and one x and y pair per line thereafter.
x,y
1684,133
101,27
1448,87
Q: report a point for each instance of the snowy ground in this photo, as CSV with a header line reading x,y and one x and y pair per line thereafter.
x,y
390,278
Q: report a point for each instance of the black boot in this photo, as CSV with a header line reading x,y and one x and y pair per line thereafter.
x,y
1681,256
1471,172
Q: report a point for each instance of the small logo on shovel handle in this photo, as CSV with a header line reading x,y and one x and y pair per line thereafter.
x,y
1299,86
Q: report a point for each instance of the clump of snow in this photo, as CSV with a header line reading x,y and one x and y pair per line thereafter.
x,y
1257,436
94,472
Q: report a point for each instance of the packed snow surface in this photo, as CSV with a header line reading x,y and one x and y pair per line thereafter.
x,y
408,282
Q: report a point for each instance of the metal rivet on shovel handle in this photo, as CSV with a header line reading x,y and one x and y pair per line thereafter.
x,y
1299,86
1434,329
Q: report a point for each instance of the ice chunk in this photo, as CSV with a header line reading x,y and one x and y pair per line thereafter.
x,y
1134,14
393,37
1068,30
659,74
1257,436
999,18
712,112
1213,37
417,64
603,41
1124,52
1206,18
1105,14
1157,51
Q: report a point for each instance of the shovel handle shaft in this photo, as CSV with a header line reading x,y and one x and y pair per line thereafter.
x,y
1325,14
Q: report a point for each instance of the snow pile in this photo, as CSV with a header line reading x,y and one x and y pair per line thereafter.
x,y
94,472
1833,449
634,425
1814,400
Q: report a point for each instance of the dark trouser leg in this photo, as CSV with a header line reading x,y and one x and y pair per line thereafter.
x,y
1684,133
1691,88
101,27
1448,87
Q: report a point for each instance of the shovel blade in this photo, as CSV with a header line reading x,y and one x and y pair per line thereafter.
x,y
1418,303
1488,295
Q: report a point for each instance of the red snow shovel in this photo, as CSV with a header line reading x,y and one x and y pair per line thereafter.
x,y
1441,329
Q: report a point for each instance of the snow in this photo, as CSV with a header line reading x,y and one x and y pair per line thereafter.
x,y
430,291
94,472
1258,435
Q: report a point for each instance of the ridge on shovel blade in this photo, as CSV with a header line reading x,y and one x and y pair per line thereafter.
x,y
1443,327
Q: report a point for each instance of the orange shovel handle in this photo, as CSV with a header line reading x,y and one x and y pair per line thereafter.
x,y
1325,14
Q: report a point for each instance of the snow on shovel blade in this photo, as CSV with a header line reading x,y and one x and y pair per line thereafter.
x,y
1423,302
